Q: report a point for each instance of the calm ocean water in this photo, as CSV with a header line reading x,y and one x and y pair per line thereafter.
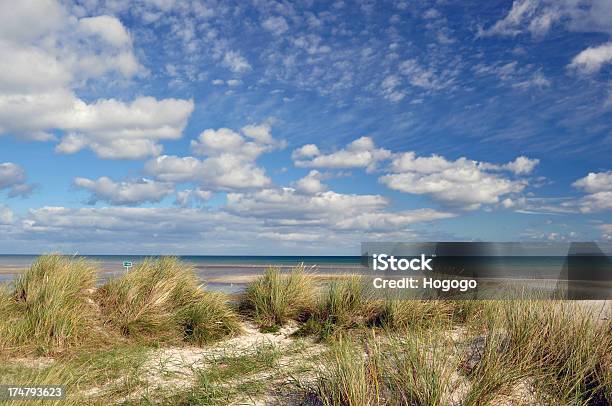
x,y
112,262
223,272
207,266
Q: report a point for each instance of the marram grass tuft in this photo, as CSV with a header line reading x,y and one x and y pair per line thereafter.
x,y
160,300
274,298
50,309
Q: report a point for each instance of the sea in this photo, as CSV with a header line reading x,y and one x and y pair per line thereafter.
x,y
231,273
212,269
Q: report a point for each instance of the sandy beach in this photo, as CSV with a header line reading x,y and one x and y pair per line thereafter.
x,y
171,341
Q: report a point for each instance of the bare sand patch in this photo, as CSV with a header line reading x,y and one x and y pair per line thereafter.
x,y
174,369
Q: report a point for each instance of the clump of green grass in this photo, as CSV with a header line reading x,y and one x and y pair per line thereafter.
x,y
346,305
559,347
469,311
346,379
416,369
8,319
5,299
403,314
412,369
50,308
208,318
492,369
565,344
160,300
95,376
274,298
345,300
525,351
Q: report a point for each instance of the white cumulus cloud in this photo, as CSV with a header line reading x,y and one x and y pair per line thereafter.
x,y
595,182
598,185
229,160
522,165
108,28
361,153
592,59
463,182
116,130
328,209
126,192
387,221
192,197
13,178
45,59
311,183
288,203
305,151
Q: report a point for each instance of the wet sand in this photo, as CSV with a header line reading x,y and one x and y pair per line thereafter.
x,y
8,270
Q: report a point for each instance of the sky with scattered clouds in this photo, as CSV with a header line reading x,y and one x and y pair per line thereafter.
x,y
302,127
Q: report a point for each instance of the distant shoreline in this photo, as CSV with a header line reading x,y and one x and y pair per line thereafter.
x,y
341,268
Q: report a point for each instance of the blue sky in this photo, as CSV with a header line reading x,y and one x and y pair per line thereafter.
x,y
305,127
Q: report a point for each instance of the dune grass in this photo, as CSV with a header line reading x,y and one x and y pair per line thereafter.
x,y
468,312
399,315
346,378
557,347
564,346
50,308
161,300
348,304
7,310
345,301
274,298
381,352
524,350
100,337
491,369
417,369
115,369
529,352
344,306
6,302
54,306
412,369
